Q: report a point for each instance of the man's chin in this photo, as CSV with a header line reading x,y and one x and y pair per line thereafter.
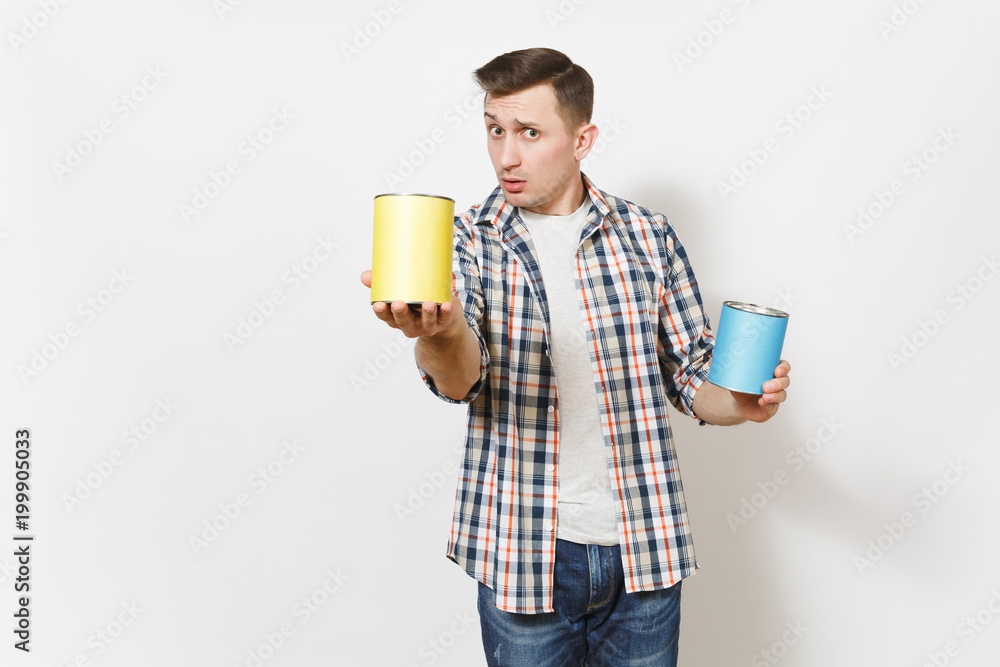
x,y
521,199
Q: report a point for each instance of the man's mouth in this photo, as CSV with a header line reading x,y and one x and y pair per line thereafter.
x,y
513,184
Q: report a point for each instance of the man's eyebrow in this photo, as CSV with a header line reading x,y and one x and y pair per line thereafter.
x,y
521,123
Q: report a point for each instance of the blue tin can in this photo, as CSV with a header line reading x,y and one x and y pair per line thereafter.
x,y
748,344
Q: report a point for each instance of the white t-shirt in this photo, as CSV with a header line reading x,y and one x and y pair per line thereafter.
x,y
586,512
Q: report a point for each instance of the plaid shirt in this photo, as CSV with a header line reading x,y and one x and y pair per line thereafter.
x,y
649,342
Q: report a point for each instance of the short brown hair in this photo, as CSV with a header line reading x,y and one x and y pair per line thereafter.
x,y
519,70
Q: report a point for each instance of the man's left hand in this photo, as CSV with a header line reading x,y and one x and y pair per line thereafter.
x,y
761,407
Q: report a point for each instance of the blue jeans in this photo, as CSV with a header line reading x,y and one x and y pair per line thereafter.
x,y
595,622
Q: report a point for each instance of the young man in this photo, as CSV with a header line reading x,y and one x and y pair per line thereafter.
x,y
575,320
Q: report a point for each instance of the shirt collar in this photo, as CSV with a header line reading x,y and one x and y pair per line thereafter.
x,y
497,211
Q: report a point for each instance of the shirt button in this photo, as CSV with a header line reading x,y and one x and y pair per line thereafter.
x,y
551,468
549,527
552,408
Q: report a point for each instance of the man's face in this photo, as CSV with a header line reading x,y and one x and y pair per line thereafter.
x,y
536,159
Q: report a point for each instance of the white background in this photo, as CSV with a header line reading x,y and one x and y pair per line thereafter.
x,y
323,372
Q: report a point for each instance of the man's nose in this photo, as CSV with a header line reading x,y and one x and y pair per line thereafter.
x,y
510,156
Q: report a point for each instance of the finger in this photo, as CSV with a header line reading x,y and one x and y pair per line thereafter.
x,y
773,398
401,314
769,408
383,312
429,315
366,278
777,384
783,369
450,310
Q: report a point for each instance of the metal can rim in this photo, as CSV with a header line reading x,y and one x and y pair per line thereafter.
x,y
755,309
413,194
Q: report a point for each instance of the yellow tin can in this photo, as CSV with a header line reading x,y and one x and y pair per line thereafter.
x,y
412,248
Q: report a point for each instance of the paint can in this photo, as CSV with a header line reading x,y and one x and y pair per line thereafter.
x,y
748,345
412,248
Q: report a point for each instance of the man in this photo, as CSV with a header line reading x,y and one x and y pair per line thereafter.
x,y
575,319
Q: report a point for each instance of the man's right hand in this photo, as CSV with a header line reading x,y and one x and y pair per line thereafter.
x,y
433,318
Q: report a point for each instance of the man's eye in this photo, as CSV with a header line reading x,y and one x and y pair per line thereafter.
x,y
532,133
496,131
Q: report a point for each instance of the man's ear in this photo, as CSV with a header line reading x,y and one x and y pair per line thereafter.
x,y
586,136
